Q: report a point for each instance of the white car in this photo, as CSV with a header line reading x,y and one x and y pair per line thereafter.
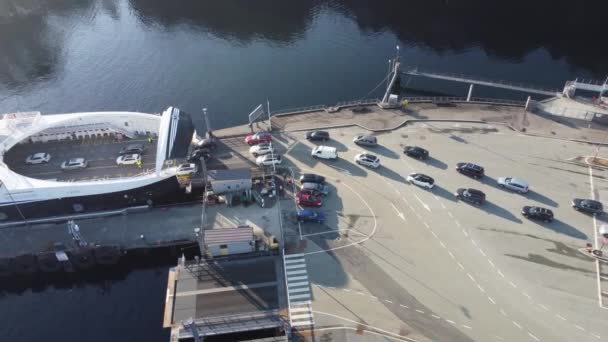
x,y
515,184
421,180
74,163
367,159
128,159
186,169
38,158
268,160
261,149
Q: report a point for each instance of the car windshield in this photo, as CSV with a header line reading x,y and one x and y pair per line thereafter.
x,y
591,204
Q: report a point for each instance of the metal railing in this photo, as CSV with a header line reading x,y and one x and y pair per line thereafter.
x,y
417,71
455,99
299,110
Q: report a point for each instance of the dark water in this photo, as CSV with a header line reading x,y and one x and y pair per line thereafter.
x,y
230,55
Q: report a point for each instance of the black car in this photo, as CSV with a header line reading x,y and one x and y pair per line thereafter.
x,y
416,152
471,170
470,195
588,206
311,178
537,213
196,155
132,149
208,143
317,135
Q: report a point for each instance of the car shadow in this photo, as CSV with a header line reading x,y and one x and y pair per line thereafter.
x,y
540,198
346,166
385,152
434,162
444,193
388,173
494,209
563,228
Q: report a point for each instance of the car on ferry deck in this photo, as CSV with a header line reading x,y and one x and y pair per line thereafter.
x,y
128,159
38,158
74,164
132,149
258,138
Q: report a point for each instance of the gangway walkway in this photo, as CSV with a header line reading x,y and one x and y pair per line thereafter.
x,y
298,291
415,71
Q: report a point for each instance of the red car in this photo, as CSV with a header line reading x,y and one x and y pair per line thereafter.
x,y
258,138
309,199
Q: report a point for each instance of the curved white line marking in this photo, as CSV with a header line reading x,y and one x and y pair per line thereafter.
x,y
357,242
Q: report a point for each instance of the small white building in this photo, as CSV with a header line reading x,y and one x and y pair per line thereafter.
x,y
235,181
229,241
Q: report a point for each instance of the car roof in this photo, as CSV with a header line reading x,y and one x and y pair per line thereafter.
x,y
306,212
39,154
473,166
425,177
320,132
592,202
75,160
135,146
519,181
475,192
369,156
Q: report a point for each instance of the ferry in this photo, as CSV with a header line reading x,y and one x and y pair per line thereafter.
x,y
63,164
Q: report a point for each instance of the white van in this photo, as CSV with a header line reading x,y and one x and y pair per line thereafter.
x,y
324,152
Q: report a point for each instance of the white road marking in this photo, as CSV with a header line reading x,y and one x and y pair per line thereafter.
x,y
450,215
465,233
435,316
423,204
442,205
346,290
517,325
544,307
426,224
500,273
419,311
534,337
400,214
442,244
388,301
482,252
491,300
451,255
434,234
373,297
450,321
579,327
361,293
457,223
560,317
471,277
527,295
474,243
460,265
491,263
503,312
404,306
466,326
512,284
481,288
597,262
596,336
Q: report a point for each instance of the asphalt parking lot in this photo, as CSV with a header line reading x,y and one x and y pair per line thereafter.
x,y
418,263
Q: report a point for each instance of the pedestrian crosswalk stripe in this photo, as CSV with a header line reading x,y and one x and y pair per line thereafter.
x,y
303,283
303,289
294,261
290,273
300,296
304,277
291,267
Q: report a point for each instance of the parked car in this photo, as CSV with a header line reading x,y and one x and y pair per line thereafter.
x,y
268,160
367,159
308,199
74,164
471,195
132,149
258,138
261,149
186,169
324,152
587,205
421,180
128,159
537,213
311,178
471,170
208,143
38,158
308,215
317,135
416,152
366,140
321,188
515,184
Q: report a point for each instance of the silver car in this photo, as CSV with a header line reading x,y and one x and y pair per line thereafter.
x,y
366,140
322,188
74,164
515,184
367,159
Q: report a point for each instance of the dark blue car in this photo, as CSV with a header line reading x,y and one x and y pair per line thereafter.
x,y
308,215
